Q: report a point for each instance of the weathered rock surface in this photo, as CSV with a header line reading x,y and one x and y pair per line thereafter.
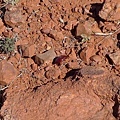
x,y
82,102
2,27
8,72
80,30
14,17
26,51
86,53
43,91
45,57
110,11
115,57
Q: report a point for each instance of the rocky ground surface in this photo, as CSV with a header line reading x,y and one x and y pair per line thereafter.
x,y
66,60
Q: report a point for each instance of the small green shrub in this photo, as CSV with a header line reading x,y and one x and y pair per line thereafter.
x,y
7,45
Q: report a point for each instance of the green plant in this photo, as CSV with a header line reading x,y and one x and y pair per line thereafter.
x,y
7,45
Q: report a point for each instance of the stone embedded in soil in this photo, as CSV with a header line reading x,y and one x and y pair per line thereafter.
x,y
115,57
2,27
56,35
46,30
96,58
16,30
45,57
92,71
34,66
8,72
108,42
86,53
53,73
80,30
71,24
14,17
73,65
27,51
110,11
72,55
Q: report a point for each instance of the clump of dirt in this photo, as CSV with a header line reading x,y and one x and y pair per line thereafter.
x,y
66,60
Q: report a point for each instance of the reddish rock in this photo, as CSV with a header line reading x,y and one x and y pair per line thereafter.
x,y
86,53
109,26
73,65
26,51
8,72
71,24
56,35
2,27
106,10
16,30
108,42
95,28
110,11
46,30
29,62
14,17
80,29
34,66
53,73
52,34
117,11
96,58
115,57
45,57
72,55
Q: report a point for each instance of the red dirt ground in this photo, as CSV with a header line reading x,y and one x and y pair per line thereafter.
x,y
66,61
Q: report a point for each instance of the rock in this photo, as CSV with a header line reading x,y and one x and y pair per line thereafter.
x,y
95,28
16,30
110,11
29,62
34,67
7,72
92,71
105,10
45,57
14,17
27,51
115,57
96,58
107,43
68,26
72,54
52,34
86,53
71,24
2,27
73,65
81,102
56,35
46,30
109,26
80,30
53,73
